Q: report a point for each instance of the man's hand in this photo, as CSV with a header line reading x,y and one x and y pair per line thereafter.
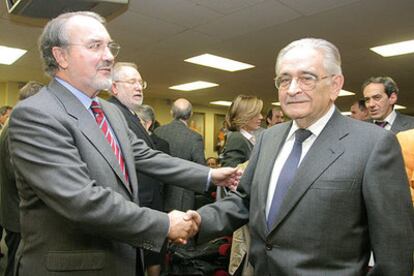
x,y
228,177
183,225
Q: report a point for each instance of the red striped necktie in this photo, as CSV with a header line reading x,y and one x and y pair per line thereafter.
x,y
104,126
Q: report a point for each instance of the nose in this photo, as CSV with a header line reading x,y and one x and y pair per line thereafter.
x,y
260,116
107,54
293,87
369,103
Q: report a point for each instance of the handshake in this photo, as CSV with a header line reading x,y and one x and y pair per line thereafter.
x,y
183,225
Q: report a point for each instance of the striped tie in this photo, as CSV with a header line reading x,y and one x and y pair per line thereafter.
x,y
104,126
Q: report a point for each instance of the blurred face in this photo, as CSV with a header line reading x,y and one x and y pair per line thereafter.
x,y
254,123
3,118
306,106
377,101
128,88
212,163
358,114
85,63
277,118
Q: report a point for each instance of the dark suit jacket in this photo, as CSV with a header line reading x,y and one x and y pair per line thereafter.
x,y
160,143
9,200
402,122
77,216
149,189
236,150
349,196
186,144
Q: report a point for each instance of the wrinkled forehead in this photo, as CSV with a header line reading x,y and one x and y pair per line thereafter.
x,y
300,59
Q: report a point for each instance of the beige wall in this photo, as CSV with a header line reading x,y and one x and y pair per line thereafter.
x,y
162,113
9,93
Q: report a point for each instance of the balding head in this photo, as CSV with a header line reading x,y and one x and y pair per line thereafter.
x,y
181,109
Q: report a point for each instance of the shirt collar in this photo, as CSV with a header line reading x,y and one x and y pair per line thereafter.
x,y
82,97
316,128
390,118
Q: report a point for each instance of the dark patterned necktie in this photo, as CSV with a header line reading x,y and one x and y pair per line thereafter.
x,y
104,126
286,175
381,124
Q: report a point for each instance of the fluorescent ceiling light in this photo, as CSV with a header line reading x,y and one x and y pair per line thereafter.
x,y
193,86
9,55
276,103
397,106
219,63
343,93
395,49
346,113
223,103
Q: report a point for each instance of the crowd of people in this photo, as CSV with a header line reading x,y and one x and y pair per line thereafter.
x,y
95,187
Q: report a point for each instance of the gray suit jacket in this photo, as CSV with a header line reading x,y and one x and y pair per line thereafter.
x,y
349,196
9,199
186,144
77,216
402,122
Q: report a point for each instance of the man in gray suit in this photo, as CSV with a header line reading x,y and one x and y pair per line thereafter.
x,y
381,94
9,199
186,144
348,195
79,208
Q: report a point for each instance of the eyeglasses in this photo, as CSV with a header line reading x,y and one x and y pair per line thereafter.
x,y
143,84
99,47
305,81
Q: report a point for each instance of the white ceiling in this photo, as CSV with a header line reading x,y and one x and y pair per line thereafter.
x,y
159,34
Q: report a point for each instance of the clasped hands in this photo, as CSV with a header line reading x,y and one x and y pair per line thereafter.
x,y
183,225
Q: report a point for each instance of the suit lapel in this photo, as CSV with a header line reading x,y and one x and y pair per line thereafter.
x,y
324,151
88,126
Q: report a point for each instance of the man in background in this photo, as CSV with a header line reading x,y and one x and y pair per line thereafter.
x,y
274,116
5,112
9,200
381,94
186,144
359,111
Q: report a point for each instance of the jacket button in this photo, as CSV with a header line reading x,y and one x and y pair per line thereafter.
x,y
268,247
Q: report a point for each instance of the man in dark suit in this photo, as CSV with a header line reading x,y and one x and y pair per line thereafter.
x,y
186,144
359,111
9,199
381,94
128,93
75,157
322,191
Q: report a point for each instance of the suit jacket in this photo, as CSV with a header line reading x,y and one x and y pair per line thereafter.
x,y
349,196
9,199
77,216
237,150
160,144
149,189
406,139
186,144
402,122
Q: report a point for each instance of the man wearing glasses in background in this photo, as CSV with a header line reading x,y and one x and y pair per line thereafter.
x,y
322,191
75,160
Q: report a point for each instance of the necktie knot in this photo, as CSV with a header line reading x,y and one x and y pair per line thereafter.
x,y
301,135
96,108
381,123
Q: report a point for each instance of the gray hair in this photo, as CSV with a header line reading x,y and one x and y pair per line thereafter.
x,y
55,35
29,89
390,86
182,109
332,58
146,113
117,70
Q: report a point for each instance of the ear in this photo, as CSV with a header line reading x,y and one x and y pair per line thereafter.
x,y
114,89
337,83
60,56
393,98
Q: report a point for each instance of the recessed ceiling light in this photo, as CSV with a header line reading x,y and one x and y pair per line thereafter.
x,y
219,63
276,103
395,49
397,106
346,113
343,93
9,55
193,86
223,103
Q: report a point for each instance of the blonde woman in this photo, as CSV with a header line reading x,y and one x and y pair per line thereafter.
x,y
242,119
